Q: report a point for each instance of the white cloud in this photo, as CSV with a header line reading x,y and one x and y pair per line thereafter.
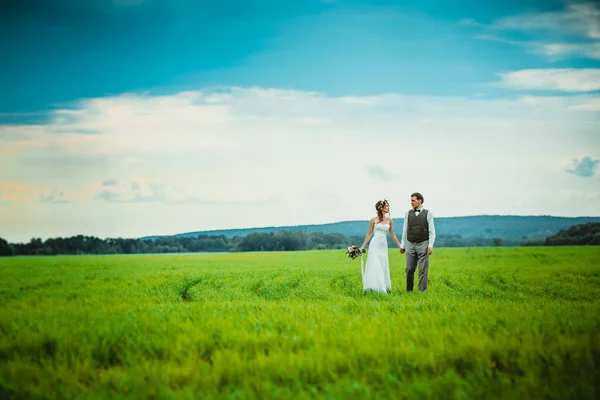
x,y
257,157
565,79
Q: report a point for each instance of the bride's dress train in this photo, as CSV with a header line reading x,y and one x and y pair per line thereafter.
x,y
376,276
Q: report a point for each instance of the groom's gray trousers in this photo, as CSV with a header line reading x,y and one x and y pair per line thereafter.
x,y
416,255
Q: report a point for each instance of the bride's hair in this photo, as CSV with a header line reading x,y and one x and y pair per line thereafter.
x,y
379,207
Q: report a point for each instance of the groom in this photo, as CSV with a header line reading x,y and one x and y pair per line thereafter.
x,y
418,235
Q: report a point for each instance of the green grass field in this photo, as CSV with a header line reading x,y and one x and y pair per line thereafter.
x,y
495,323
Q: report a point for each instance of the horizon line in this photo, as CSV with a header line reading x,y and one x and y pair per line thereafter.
x,y
285,226
365,220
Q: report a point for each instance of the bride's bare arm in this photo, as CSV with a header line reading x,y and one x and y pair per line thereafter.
x,y
369,234
393,235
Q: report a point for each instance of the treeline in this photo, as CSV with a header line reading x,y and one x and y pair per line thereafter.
x,y
274,241
584,234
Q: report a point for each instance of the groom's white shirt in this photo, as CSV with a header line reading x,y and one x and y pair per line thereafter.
x,y
431,229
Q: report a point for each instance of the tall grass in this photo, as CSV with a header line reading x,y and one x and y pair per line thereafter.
x,y
495,323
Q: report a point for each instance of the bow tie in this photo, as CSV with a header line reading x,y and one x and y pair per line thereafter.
x,y
417,210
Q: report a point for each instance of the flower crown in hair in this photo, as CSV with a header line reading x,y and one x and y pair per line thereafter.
x,y
382,204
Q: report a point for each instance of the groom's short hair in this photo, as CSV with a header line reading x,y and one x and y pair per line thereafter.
x,y
419,196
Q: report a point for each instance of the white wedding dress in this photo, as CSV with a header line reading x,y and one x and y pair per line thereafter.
x,y
376,276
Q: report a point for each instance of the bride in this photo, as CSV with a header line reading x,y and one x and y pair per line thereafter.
x,y
377,272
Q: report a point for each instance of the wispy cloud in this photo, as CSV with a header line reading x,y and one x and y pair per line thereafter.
x,y
584,167
579,19
552,51
565,79
559,50
55,196
377,172
144,191
110,182
30,194
470,22
573,31
13,192
139,192
592,105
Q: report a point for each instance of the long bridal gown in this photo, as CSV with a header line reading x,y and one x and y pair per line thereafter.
x,y
377,271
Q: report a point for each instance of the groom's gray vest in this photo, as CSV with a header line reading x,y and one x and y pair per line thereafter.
x,y
418,229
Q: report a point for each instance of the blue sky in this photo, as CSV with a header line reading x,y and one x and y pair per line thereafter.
x,y
254,78
67,50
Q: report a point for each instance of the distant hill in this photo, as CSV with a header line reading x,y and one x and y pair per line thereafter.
x,y
473,227
585,234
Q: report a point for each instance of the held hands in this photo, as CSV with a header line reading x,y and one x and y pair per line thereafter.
x,y
429,251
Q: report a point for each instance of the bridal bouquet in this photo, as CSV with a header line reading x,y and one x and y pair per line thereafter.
x,y
354,252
